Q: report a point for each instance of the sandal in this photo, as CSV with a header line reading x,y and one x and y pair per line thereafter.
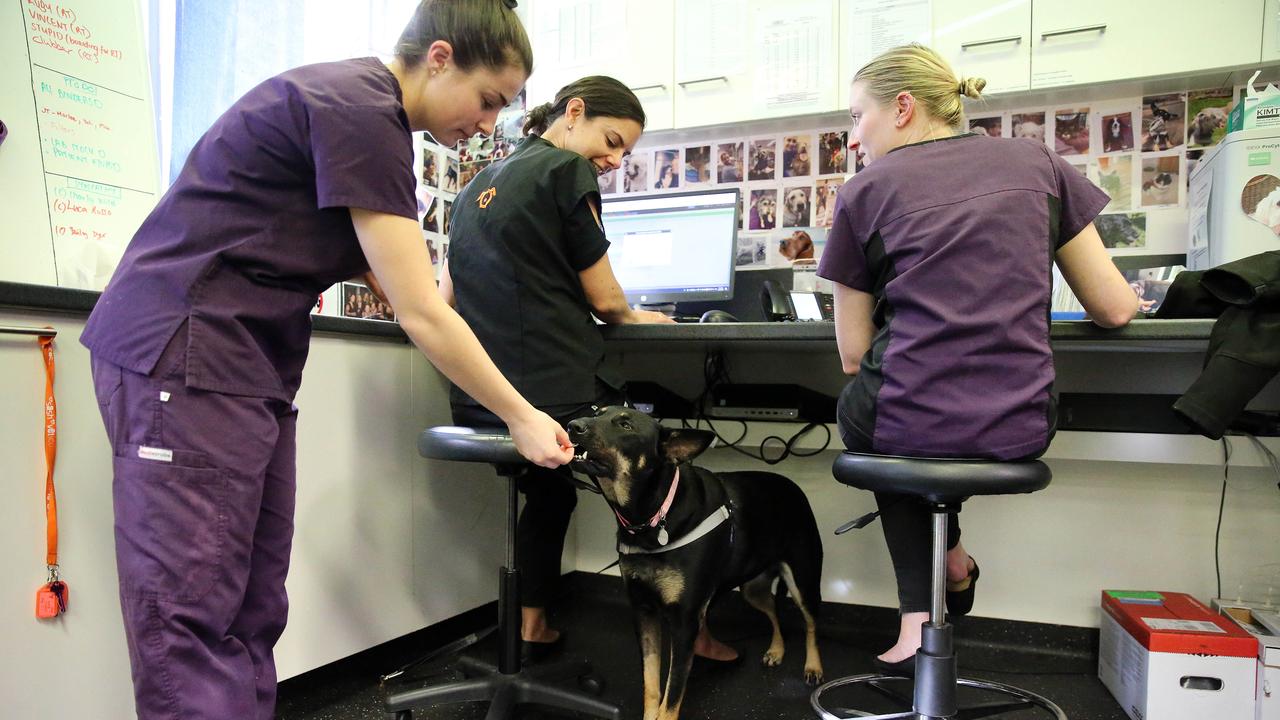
x,y
960,593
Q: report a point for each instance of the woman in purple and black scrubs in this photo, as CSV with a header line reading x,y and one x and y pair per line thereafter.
x,y
199,340
941,254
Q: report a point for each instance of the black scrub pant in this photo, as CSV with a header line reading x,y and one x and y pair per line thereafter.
x,y
550,497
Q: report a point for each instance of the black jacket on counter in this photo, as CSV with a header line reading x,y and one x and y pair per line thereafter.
x,y
1244,347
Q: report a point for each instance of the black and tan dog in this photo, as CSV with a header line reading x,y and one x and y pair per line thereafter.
x,y
686,534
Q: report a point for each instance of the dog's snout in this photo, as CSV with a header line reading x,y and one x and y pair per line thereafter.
x,y
577,428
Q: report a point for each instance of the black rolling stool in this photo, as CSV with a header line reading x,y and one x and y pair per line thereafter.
x,y
508,684
943,484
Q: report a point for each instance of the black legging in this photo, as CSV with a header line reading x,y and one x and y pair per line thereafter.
x,y
907,522
550,498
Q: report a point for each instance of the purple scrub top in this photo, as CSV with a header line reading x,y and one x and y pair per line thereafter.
x,y
955,239
257,225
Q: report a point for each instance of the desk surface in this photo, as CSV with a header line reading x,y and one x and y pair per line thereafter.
x,y
1146,335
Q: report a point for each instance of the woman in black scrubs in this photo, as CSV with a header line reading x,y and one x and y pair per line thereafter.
x,y
527,269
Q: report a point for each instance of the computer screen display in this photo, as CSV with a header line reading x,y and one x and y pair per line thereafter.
x,y
806,305
673,248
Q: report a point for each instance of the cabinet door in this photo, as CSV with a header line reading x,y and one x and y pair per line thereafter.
x,y
1271,31
1092,41
741,60
868,27
990,39
631,41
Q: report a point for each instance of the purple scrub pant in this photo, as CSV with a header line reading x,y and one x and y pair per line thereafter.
x,y
204,498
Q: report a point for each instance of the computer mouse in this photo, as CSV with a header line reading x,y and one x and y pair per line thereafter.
x,y
717,316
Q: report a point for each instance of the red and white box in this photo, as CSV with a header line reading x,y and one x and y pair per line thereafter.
x,y
1167,656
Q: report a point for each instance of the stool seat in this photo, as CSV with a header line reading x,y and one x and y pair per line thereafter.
x,y
465,444
942,480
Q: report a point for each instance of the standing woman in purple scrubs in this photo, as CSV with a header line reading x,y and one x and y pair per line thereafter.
x,y
199,340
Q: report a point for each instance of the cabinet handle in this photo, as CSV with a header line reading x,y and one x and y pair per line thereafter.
x,y
687,83
1072,31
20,330
655,86
993,41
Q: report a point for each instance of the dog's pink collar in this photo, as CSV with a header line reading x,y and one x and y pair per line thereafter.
x,y
662,511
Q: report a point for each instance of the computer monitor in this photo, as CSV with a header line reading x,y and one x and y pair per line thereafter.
x,y
673,248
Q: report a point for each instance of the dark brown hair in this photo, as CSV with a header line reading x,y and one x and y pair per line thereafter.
x,y
482,32
601,94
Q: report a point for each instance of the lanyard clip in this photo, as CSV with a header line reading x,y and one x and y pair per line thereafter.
x,y
53,574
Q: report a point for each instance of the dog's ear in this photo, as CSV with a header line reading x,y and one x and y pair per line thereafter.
x,y
683,444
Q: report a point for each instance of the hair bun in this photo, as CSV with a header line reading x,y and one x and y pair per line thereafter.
x,y
535,120
972,87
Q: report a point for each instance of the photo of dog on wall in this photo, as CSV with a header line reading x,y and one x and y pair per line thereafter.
x,y
729,162
608,182
797,247
1071,132
833,152
1122,230
796,158
697,165
1161,180
824,201
1117,132
760,159
992,126
751,250
1163,118
764,210
1115,177
796,206
1028,125
635,173
1207,117
666,169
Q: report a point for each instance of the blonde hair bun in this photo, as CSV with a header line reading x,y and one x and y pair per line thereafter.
x,y
972,87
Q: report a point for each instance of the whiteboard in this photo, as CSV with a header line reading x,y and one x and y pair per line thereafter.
x,y
78,172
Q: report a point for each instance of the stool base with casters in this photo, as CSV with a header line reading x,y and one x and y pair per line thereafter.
x,y
943,484
507,684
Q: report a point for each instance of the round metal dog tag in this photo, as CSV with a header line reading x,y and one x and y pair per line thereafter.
x,y
662,536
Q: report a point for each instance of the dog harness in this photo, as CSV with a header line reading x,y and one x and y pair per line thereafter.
x,y
713,521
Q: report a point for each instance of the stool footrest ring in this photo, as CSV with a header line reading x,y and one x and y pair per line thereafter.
x,y
1020,699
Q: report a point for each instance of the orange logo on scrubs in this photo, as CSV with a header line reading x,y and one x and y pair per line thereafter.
x,y
485,197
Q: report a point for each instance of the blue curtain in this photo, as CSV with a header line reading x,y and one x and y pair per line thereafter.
x,y
222,49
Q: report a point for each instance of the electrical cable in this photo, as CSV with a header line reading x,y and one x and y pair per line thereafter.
x,y
1222,502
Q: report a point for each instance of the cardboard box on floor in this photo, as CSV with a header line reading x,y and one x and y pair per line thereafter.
x,y
1167,656
1263,623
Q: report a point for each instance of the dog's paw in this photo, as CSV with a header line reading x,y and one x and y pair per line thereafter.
x,y
813,676
771,658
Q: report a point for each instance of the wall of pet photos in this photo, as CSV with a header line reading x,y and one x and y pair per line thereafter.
x,y
1139,149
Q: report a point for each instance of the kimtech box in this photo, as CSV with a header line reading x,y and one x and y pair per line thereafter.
x,y
1166,656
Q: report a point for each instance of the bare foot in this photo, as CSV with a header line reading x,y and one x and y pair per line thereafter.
x,y
533,626
711,648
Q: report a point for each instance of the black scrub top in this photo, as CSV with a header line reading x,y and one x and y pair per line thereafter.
x,y
521,231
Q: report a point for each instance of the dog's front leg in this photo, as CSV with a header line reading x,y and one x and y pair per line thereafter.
x,y
649,632
682,624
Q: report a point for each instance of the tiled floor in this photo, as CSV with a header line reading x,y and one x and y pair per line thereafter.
x,y
1057,662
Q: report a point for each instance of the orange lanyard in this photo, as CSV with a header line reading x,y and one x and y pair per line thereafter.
x,y
50,455
51,598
